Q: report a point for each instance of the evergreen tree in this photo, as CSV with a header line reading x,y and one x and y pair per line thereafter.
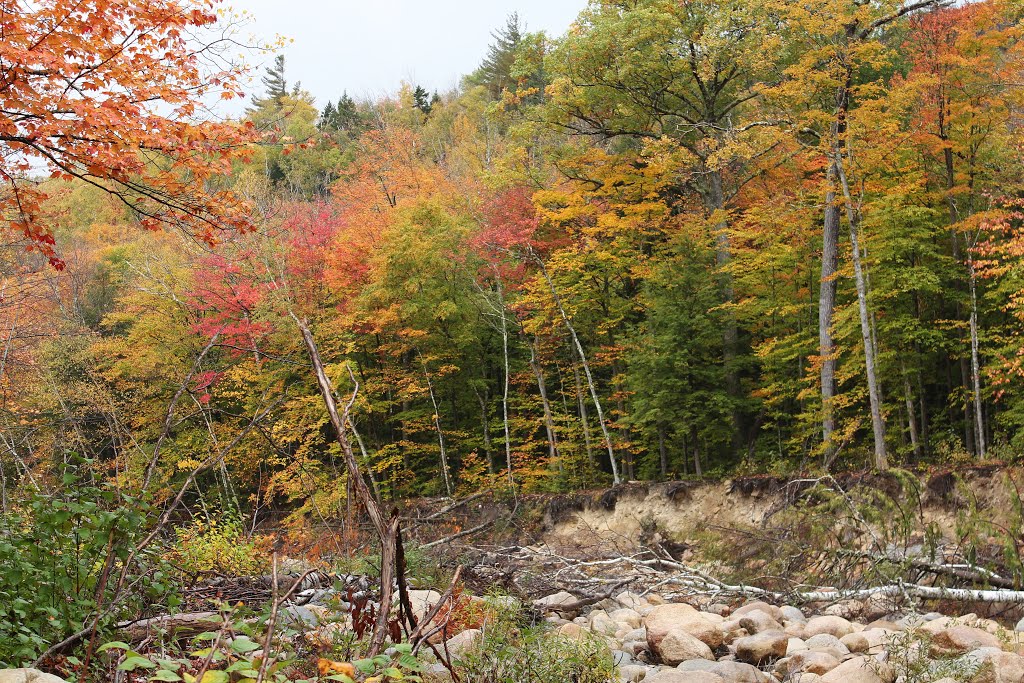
x,y
495,72
275,86
421,100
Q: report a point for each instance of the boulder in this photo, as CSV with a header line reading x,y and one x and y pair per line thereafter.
x,y
631,600
847,609
697,665
756,621
678,646
738,672
832,625
28,676
826,641
549,603
870,641
422,601
602,624
996,666
466,641
675,676
790,613
626,616
677,616
958,640
811,662
795,645
758,606
571,630
632,673
762,647
860,670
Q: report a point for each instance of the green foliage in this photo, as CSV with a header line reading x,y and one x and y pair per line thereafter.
x,y
234,654
61,556
510,653
908,651
220,545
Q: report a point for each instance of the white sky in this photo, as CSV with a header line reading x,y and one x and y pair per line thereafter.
x,y
368,47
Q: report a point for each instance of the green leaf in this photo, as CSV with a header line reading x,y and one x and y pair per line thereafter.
x,y
109,646
339,677
366,666
135,662
165,675
215,677
243,645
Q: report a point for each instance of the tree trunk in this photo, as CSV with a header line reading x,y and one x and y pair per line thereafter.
x,y
387,532
505,383
915,443
549,422
979,424
662,452
730,335
486,426
697,469
874,392
445,472
586,372
584,418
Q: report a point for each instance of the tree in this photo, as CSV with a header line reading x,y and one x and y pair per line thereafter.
x,y
839,52
107,92
682,71
421,99
495,71
275,86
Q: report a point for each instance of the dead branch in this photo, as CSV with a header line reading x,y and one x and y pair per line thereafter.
x,y
461,534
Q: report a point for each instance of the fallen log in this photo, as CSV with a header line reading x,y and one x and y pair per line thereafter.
x,y
183,625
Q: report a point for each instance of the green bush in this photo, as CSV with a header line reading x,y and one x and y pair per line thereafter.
x,y
60,559
510,652
218,545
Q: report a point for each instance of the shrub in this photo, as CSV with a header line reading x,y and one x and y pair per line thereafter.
x,y
510,653
218,545
60,559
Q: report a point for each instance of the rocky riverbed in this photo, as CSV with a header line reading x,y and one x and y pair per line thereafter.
x,y
659,642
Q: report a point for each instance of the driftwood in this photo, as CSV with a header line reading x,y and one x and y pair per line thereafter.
x,y
183,625
584,602
461,534
434,516
676,579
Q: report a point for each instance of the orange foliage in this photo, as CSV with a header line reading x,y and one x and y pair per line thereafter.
x,y
108,92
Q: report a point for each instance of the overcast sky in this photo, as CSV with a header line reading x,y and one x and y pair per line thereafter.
x,y
368,47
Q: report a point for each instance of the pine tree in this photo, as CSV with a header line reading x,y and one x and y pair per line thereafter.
x,y
421,100
275,85
495,72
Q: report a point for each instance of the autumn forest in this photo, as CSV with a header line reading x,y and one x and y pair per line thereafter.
x,y
682,239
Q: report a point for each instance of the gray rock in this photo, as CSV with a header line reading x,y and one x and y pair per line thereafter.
x,y
833,625
28,676
825,641
422,601
466,641
302,615
756,621
738,672
621,658
790,613
675,676
632,673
